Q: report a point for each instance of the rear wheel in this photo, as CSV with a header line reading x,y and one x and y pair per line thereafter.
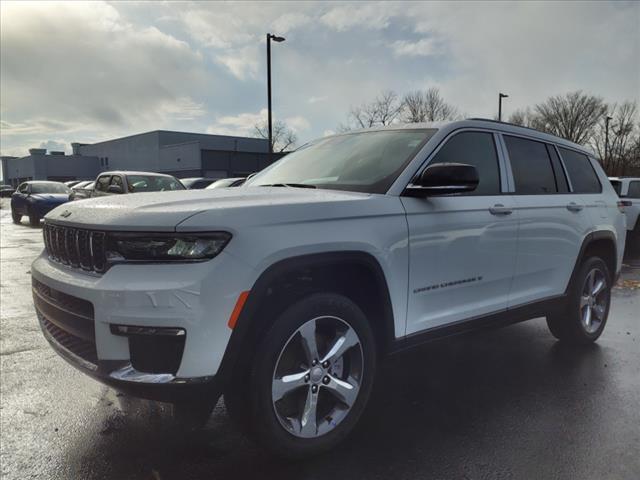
x,y
588,304
16,217
312,376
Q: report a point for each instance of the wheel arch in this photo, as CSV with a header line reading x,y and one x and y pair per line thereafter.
x,y
298,276
601,243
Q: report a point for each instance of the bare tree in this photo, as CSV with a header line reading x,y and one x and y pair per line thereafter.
x,y
624,139
573,116
524,118
283,136
426,106
383,110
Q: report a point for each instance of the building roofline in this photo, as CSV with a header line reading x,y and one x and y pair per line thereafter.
x,y
170,131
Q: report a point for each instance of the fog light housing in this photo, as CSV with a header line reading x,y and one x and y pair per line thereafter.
x,y
153,349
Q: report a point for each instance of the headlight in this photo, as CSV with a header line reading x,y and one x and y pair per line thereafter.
x,y
159,247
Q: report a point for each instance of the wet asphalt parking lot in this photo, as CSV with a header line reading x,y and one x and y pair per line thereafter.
x,y
501,404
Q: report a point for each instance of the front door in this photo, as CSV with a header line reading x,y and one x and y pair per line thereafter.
x,y
462,247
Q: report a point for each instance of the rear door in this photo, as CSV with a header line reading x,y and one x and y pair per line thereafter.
x,y
462,247
585,184
553,220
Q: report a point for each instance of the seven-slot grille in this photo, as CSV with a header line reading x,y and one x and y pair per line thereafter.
x,y
75,247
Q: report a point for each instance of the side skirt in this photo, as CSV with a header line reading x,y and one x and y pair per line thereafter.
x,y
540,308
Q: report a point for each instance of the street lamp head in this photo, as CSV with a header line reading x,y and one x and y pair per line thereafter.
x,y
275,38
503,95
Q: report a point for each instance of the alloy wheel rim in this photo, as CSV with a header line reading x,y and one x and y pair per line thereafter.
x,y
317,377
594,300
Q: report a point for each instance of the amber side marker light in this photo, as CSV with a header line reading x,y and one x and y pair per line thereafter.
x,y
242,298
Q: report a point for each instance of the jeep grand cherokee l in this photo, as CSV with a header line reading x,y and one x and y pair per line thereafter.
x,y
283,294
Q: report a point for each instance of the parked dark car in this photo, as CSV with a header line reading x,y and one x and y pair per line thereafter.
x,y
227,182
197,183
37,198
6,190
109,183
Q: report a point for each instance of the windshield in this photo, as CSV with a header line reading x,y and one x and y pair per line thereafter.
x,y
152,183
362,162
47,187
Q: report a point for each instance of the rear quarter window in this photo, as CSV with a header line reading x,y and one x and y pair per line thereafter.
x,y
581,173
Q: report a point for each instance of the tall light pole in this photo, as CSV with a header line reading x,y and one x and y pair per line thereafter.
x,y
606,140
500,97
276,39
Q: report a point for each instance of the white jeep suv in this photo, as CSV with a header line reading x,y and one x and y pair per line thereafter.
x,y
283,294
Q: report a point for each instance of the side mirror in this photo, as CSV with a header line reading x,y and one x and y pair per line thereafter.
x,y
444,179
114,189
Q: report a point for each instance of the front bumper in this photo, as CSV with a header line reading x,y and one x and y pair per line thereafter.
x,y
121,375
77,313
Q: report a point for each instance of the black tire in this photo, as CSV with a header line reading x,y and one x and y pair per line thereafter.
x,y
16,217
266,428
34,219
568,325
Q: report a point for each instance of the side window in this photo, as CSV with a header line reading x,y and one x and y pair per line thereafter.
x,y
103,183
116,180
634,189
561,178
531,166
477,149
583,177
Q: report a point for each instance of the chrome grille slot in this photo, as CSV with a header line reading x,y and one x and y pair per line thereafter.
x,y
76,247
83,250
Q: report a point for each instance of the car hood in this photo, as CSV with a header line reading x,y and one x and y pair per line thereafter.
x,y
51,197
164,211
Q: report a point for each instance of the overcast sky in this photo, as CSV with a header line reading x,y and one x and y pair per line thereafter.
x,y
93,71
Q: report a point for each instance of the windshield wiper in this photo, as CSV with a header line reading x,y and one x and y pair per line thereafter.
x,y
293,185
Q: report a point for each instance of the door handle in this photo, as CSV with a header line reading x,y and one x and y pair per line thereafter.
x,y
574,207
499,209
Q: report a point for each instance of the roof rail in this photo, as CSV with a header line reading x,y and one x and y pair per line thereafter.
x,y
513,125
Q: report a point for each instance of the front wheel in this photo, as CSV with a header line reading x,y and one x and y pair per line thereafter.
x,y
587,310
16,217
312,376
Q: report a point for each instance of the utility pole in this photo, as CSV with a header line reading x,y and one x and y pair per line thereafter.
x,y
277,39
500,97
606,140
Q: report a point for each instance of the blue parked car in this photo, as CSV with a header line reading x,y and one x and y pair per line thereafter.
x,y
37,198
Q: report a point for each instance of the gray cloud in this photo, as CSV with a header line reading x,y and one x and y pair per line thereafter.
x,y
88,71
